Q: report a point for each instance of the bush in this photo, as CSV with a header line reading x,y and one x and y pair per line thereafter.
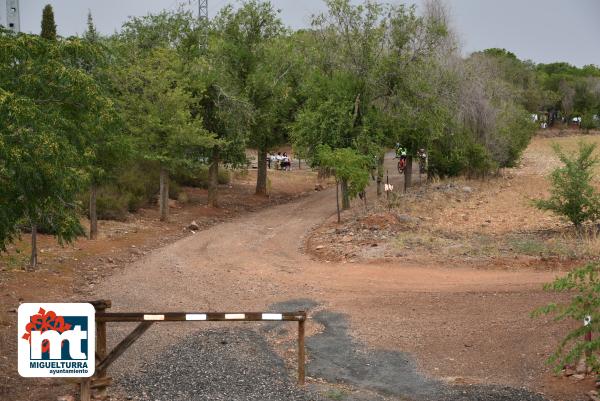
x,y
455,155
513,133
585,302
111,204
135,186
588,122
198,177
478,162
572,194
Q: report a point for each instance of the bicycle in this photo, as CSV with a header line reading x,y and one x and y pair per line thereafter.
x,y
401,165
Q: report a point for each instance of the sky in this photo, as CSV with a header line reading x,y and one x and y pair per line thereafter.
x,y
539,30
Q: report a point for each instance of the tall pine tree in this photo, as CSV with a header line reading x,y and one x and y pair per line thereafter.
x,y
48,24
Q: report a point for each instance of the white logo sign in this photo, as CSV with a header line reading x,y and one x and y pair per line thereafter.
x,y
57,340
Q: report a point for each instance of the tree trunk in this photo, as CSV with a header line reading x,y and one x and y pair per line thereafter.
x,y
93,212
408,173
213,178
380,175
261,179
337,200
345,195
33,260
163,198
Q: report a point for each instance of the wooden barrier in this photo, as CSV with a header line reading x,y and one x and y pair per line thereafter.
x,y
104,359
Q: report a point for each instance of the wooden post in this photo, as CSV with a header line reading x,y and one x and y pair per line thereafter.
x,y
337,200
101,352
301,354
93,213
85,389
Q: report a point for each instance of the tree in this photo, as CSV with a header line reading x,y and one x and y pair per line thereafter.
x,y
48,106
358,78
108,146
572,194
39,184
224,110
48,24
583,307
223,115
158,79
91,34
254,58
156,110
348,166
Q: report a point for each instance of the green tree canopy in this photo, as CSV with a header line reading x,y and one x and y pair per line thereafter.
x,y
48,24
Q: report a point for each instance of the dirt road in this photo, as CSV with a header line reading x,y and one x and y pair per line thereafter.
x,y
463,325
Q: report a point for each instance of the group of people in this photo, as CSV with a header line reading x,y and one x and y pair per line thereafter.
x,y
280,161
402,154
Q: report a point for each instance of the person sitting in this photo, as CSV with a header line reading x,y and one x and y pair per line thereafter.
x,y
278,160
286,163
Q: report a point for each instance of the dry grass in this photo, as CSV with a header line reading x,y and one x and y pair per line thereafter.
x,y
495,218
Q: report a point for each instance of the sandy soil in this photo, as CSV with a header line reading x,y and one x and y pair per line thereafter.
x,y
71,272
459,321
463,322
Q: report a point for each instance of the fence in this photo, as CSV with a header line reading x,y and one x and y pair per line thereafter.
x,y
100,381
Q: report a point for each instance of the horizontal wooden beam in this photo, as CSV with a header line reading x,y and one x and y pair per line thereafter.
x,y
200,316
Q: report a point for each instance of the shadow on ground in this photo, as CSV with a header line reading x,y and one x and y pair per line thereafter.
x,y
337,358
239,364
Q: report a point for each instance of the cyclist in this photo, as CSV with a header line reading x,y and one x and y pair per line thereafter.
x,y
401,153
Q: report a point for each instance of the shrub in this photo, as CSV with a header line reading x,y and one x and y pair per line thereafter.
x,y
112,204
572,194
584,282
588,122
478,162
198,177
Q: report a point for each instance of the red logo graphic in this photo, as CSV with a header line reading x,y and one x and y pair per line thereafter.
x,y
44,321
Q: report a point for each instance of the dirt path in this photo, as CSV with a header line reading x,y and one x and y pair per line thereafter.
x,y
463,324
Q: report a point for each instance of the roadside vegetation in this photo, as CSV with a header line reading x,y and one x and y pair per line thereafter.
x,y
97,127
103,125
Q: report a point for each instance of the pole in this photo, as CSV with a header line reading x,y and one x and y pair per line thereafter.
x,y
337,199
85,389
301,354
101,349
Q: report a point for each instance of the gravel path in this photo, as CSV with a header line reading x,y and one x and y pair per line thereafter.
x,y
239,364
216,365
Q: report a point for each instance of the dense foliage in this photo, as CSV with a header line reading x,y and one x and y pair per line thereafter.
x,y
116,122
49,108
